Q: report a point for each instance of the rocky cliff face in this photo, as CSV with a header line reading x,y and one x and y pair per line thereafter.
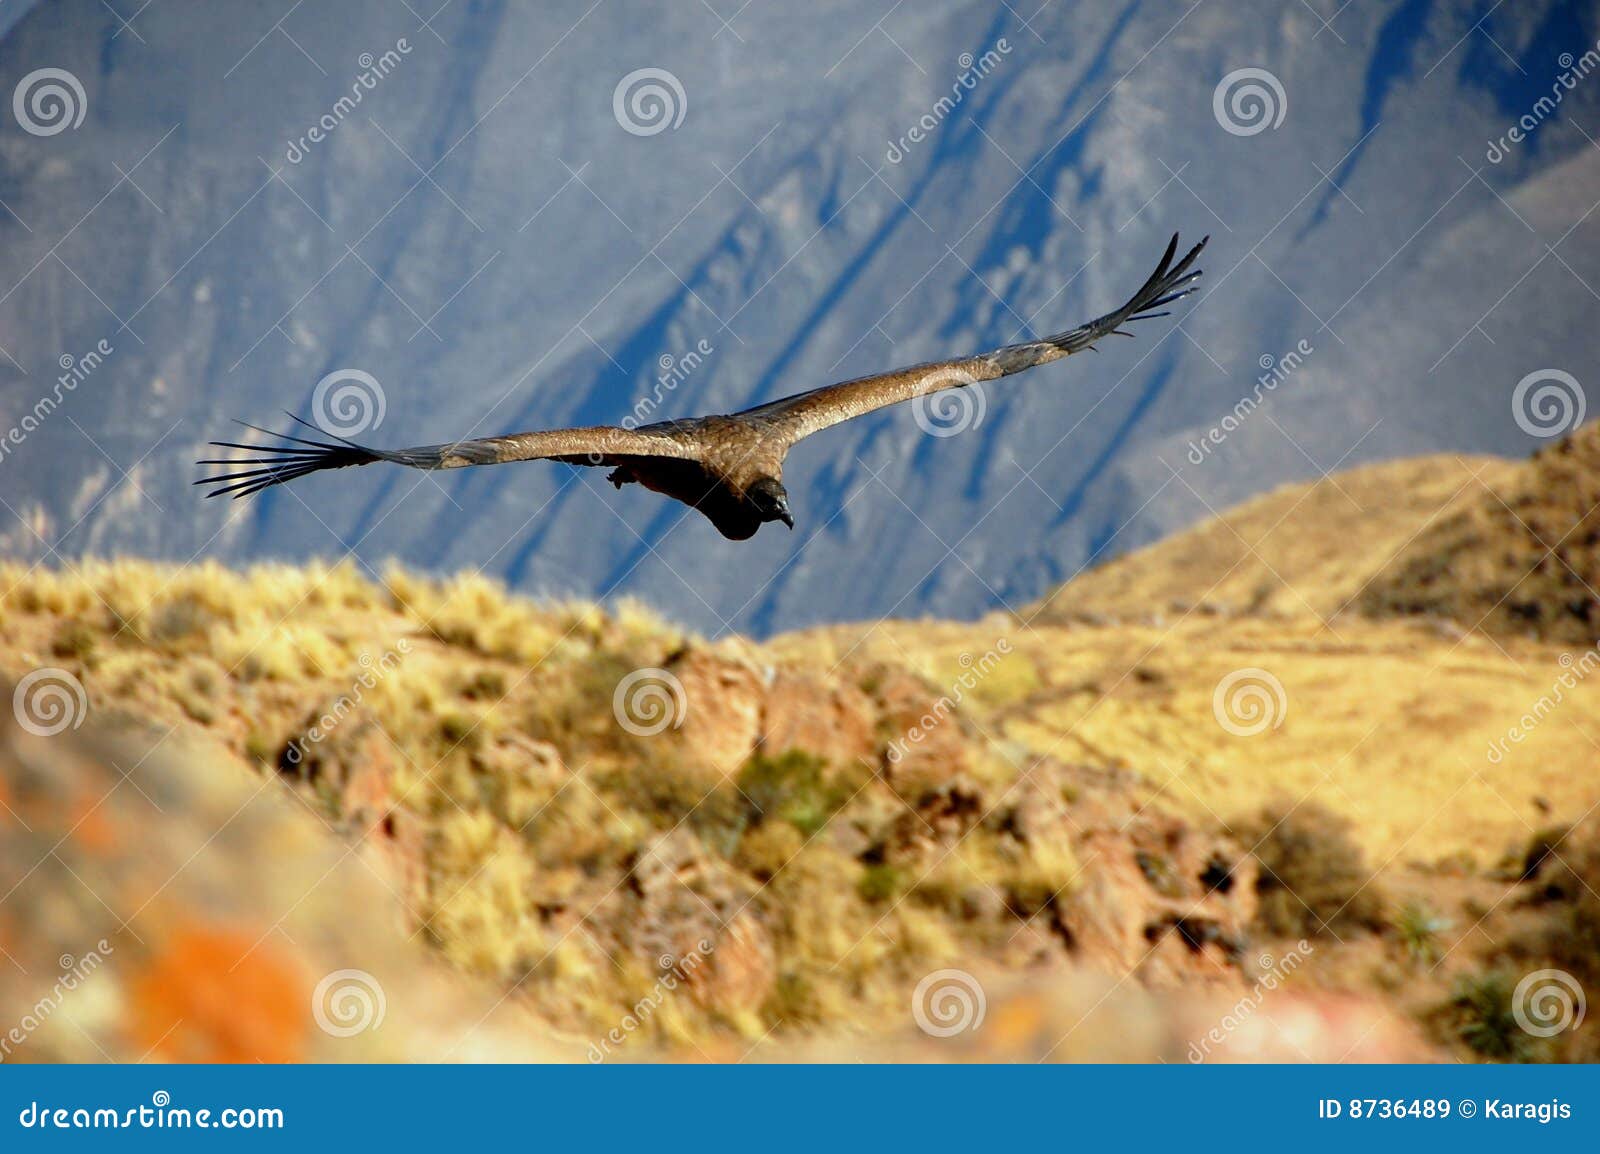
x,y
782,845
754,851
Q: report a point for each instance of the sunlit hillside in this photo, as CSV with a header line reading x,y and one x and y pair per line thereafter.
x,y
1222,745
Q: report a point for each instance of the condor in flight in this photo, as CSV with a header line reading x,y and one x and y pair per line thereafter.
x,y
728,467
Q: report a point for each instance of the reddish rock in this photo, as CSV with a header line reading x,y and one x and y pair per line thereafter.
x,y
924,743
686,912
723,698
833,722
1160,900
348,763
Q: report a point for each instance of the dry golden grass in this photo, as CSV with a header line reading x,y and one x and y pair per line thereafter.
x,y
1403,723
470,735
1521,559
521,812
1389,723
1302,548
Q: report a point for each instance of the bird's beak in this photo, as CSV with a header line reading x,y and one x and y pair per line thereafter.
x,y
786,519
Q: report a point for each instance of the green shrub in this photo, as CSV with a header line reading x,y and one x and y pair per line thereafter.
x,y
1418,926
74,639
1481,1011
791,788
881,883
1313,878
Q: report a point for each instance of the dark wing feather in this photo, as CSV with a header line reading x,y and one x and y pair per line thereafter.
x,y
799,416
273,464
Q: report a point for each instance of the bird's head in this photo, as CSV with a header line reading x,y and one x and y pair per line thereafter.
x,y
771,500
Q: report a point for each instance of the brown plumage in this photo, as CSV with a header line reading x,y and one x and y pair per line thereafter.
x,y
728,467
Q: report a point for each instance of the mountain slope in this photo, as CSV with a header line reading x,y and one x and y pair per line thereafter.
x,y
1309,548
1504,548
1142,779
1520,559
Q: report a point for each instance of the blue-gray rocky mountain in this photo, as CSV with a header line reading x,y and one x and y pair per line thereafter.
x,y
851,187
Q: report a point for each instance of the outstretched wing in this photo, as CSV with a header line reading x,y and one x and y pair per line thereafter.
x,y
291,457
799,416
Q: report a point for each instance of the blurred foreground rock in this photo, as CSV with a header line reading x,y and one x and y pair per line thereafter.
x,y
157,903
1081,1015
160,904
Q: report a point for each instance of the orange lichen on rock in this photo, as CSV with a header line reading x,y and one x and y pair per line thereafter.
x,y
93,828
216,995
